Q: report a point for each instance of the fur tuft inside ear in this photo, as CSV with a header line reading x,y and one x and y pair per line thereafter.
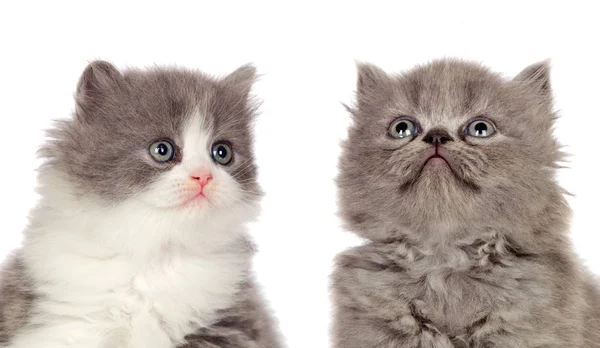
x,y
537,76
370,78
242,79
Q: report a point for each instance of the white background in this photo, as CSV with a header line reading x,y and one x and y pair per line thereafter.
x,y
306,53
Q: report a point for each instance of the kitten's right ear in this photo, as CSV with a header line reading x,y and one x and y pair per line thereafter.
x,y
537,77
98,82
370,79
241,80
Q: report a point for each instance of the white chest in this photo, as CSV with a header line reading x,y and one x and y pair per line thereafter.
x,y
182,294
122,302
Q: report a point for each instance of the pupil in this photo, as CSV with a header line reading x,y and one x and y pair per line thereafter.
x,y
402,127
222,152
162,149
481,128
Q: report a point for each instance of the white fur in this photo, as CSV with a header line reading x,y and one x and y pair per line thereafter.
x,y
140,274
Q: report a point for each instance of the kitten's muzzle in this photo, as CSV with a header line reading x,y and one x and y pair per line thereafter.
x,y
437,137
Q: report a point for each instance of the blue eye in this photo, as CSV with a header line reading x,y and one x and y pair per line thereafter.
x,y
162,151
480,129
222,153
402,128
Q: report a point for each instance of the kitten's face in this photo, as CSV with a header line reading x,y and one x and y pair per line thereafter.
x,y
173,140
447,145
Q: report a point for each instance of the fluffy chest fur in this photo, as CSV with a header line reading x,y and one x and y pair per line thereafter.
x,y
450,289
115,292
130,303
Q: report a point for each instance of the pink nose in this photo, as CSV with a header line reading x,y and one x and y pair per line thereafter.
x,y
202,177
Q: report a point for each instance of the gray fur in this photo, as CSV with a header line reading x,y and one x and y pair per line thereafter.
x,y
472,255
117,117
16,297
247,325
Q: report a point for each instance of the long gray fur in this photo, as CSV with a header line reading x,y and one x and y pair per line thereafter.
x,y
477,255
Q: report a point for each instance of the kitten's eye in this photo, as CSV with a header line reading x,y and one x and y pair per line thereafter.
x,y
480,129
402,128
162,151
222,153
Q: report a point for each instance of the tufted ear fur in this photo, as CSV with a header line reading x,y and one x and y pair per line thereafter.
x,y
372,86
241,80
99,82
370,78
534,83
537,77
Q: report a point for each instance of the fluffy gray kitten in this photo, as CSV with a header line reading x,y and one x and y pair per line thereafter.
x,y
449,172
138,239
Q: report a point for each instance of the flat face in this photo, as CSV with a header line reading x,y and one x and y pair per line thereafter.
x,y
445,142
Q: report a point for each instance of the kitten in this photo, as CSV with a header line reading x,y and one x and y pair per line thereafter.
x,y
138,240
449,172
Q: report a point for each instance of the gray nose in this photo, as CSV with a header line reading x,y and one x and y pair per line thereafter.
x,y
437,136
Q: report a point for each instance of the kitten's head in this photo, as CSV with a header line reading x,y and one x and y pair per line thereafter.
x,y
448,145
175,142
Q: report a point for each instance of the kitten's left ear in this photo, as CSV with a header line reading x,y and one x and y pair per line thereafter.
x,y
370,79
98,86
241,80
537,76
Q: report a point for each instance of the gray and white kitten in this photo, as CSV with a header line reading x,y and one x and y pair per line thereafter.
x,y
138,239
449,172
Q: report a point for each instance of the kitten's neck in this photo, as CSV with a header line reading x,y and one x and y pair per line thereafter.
x,y
536,236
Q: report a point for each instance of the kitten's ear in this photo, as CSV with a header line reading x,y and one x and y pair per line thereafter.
x,y
370,79
241,80
98,82
537,77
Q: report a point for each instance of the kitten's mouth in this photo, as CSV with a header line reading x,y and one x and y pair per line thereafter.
x,y
435,162
441,161
198,197
437,159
